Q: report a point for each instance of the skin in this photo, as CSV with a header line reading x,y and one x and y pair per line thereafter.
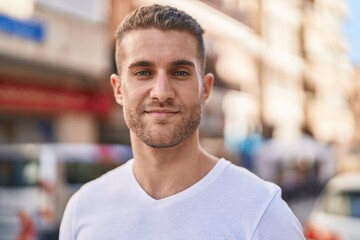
x,y
162,91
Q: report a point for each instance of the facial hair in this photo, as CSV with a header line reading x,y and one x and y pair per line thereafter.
x,y
173,133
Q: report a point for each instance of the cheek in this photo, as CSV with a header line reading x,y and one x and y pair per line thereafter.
x,y
128,101
133,88
132,97
191,94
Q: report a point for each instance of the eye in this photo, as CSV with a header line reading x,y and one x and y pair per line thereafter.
x,y
142,73
181,74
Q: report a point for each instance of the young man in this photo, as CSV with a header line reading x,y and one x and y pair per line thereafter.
x,y
172,188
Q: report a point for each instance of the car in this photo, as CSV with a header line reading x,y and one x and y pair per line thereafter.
x,y
336,213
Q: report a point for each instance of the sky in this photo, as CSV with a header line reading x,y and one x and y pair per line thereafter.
x,y
352,31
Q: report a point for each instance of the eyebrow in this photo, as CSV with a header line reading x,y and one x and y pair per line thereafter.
x,y
145,63
142,63
183,63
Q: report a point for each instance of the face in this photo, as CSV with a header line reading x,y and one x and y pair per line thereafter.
x,y
160,86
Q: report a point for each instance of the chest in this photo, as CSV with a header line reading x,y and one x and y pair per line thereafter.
x,y
200,222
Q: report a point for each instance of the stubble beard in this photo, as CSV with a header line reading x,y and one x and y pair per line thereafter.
x,y
164,134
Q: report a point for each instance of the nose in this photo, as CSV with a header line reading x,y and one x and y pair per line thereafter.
x,y
162,88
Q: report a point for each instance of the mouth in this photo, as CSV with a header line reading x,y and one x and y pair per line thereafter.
x,y
161,113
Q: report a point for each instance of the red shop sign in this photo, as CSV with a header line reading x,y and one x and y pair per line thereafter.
x,y
33,98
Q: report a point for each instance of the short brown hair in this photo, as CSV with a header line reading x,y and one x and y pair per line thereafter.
x,y
162,18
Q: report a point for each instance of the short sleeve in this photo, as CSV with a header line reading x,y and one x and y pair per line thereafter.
x,y
278,222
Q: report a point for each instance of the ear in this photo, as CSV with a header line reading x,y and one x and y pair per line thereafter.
x,y
116,85
208,81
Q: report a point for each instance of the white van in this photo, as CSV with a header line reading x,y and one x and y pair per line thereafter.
x,y
36,181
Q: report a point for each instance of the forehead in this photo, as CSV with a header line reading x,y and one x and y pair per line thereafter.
x,y
158,46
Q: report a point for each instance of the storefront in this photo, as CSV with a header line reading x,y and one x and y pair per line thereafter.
x,y
52,75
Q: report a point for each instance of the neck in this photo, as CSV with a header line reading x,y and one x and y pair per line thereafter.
x,y
163,172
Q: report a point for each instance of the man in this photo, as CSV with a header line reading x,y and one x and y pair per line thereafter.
x,y
172,188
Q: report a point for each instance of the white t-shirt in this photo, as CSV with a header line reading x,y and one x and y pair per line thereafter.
x,y
228,203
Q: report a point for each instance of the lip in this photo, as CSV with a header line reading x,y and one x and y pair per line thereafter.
x,y
161,113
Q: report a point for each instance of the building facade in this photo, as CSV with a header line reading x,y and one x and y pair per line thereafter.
x,y
277,62
52,72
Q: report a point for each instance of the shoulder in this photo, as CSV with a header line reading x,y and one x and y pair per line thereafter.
x,y
260,202
247,192
94,199
244,180
107,183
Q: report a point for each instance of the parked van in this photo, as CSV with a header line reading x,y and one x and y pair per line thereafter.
x,y
36,181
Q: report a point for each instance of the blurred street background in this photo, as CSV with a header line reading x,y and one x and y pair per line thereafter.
x,y
286,102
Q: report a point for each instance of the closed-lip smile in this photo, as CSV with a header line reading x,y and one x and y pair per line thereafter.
x,y
161,113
